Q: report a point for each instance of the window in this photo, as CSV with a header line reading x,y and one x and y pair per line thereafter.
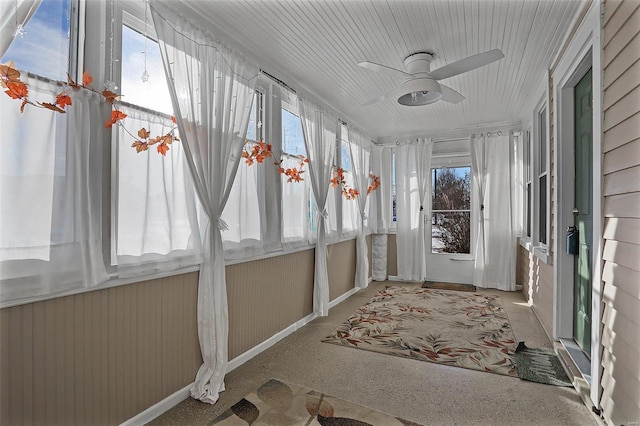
x,y
242,213
542,160
155,210
298,205
349,208
536,214
451,210
393,185
528,184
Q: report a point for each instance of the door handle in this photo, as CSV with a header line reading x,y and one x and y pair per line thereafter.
x,y
576,211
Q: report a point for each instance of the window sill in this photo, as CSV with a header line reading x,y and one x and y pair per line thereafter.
x,y
539,251
542,253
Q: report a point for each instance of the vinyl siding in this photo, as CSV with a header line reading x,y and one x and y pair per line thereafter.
x,y
621,168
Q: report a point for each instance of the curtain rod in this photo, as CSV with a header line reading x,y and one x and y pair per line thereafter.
x,y
277,80
286,86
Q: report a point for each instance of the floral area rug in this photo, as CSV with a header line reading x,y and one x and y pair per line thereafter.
x,y
280,403
446,327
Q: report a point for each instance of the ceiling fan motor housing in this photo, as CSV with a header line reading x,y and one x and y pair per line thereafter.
x,y
420,89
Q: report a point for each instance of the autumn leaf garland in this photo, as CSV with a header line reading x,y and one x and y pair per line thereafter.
x,y
17,89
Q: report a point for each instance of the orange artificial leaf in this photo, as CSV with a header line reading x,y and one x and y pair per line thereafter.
x,y
72,83
140,146
52,107
167,139
173,118
86,79
155,140
17,90
115,117
109,96
143,133
163,148
63,100
24,103
8,74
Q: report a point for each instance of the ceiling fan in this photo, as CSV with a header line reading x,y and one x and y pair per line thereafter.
x,y
420,85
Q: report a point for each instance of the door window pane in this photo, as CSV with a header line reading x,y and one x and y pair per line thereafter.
x,y
451,210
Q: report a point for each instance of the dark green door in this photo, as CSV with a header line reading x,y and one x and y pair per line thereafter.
x,y
583,213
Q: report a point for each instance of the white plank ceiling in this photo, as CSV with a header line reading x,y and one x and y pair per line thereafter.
x,y
315,45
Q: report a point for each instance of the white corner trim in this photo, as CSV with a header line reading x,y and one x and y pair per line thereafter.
x,y
159,408
369,280
344,297
246,356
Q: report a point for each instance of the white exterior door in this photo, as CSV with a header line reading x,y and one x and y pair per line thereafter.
x,y
450,229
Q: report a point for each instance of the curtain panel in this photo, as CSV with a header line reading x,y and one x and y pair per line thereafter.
x,y
211,90
381,200
492,168
360,167
320,130
51,194
413,166
155,204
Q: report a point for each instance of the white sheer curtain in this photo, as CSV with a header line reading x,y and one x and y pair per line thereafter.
x,y
381,201
156,226
211,91
50,194
360,167
320,130
496,241
413,166
14,12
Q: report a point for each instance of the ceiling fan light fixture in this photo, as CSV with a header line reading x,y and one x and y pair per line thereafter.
x,y
420,91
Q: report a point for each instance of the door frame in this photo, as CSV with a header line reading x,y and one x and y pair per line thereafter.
x,y
583,52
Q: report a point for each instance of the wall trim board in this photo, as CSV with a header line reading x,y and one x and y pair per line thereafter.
x,y
246,356
159,408
344,297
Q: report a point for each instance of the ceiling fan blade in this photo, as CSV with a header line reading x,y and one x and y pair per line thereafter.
x,y
450,95
384,69
467,64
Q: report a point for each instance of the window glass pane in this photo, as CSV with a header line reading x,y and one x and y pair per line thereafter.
x,y
393,184
543,210
254,129
292,137
43,49
152,93
297,218
529,195
542,132
451,205
451,188
451,232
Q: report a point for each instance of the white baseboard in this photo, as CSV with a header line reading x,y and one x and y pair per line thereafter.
x,y
159,408
342,298
370,280
246,356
